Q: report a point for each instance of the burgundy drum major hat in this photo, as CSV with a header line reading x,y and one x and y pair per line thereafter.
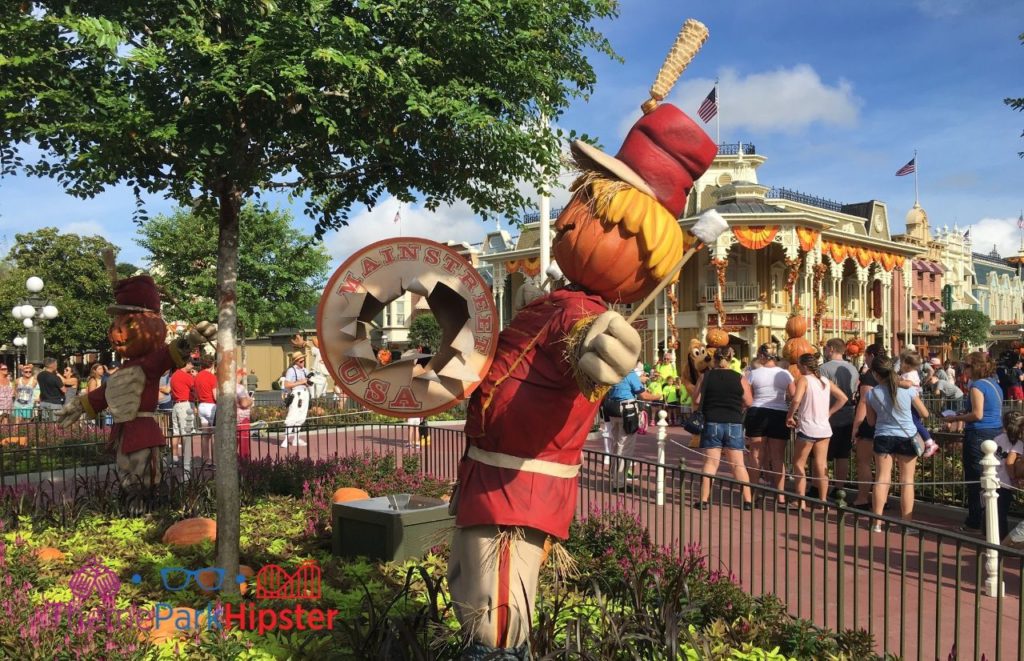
x,y
135,294
662,155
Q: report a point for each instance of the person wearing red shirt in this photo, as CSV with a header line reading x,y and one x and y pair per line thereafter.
x,y
206,393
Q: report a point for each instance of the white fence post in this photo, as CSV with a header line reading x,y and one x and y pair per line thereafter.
x,y
990,496
662,435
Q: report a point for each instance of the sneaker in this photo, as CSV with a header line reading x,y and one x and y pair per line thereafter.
x,y
930,448
284,444
876,528
607,460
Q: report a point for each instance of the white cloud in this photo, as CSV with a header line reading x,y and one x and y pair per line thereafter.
x,y
782,100
449,223
84,228
999,232
455,223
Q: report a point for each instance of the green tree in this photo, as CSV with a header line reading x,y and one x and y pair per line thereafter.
x,y
1017,103
424,331
965,328
280,274
210,102
75,281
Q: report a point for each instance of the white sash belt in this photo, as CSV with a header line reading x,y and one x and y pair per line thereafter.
x,y
500,460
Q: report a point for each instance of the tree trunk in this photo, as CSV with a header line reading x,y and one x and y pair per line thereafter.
x,y
225,450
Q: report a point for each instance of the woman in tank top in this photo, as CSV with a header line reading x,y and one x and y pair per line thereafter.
x,y
765,420
809,412
722,394
6,394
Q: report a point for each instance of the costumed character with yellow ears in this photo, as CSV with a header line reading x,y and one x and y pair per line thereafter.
x,y
618,240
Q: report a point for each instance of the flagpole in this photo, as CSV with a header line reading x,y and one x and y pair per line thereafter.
x,y
917,166
718,115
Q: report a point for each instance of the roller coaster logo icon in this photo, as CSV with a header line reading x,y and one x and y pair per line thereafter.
x,y
273,582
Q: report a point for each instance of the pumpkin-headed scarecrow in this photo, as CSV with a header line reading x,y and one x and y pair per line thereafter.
x,y
138,334
617,241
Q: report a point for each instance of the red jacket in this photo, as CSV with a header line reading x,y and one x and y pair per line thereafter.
x,y
529,406
142,432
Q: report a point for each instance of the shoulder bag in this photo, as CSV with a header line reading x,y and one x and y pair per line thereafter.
x,y
694,423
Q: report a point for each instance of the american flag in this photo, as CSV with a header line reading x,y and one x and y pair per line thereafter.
x,y
909,168
709,108
398,216
1020,221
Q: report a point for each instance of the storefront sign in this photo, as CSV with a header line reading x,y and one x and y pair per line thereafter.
x,y
844,324
734,319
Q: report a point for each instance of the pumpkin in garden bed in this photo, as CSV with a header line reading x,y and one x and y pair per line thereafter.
x,y
49,554
347,494
20,441
191,531
207,579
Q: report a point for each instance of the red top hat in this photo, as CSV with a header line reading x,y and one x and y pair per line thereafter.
x,y
136,294
662,155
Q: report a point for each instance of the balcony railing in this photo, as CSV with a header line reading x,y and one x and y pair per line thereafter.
x,y
734,292
803,198
534,217
733,149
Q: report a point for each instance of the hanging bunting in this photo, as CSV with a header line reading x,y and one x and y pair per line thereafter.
x,y
808,237
863,256
755,237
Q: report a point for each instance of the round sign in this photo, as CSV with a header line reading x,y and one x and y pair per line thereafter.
x,y
413,384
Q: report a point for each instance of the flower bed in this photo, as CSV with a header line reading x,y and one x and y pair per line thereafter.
x,y
626,599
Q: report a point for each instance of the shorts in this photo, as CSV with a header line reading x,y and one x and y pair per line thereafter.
x,y
842,442
722,435
770,423
811,439
865,432
900,445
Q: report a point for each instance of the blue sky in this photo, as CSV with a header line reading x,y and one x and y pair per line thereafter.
x,y
836,94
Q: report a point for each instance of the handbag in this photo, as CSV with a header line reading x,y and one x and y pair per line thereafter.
x,y
695,422
630,416
918,444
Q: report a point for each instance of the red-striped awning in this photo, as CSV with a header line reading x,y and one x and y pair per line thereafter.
x,y
919,305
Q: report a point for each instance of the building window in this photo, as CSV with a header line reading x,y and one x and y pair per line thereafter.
x,y
399,313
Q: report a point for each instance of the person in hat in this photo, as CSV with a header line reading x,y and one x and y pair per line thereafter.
x,y
138,334
528,420
296,387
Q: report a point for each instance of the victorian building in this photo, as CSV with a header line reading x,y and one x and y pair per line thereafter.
x,y
999,290
789,253
929,293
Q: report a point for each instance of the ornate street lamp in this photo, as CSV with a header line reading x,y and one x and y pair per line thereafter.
x,y
19,342
34,307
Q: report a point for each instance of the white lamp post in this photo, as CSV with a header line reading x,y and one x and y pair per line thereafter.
x,y
33,307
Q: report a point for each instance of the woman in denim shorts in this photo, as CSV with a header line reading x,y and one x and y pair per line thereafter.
x,y
889,408
722,395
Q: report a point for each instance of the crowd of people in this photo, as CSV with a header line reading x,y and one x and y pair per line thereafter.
x,y
832,411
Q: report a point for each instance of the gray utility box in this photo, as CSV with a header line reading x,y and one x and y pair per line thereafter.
x,y
390,528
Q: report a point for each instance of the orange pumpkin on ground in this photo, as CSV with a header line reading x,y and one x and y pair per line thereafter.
x,y
191,531
21,441
346,494
167,628
49,554
717,338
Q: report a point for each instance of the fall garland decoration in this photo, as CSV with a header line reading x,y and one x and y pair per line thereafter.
x,y
720,264
670,315
792,273
820,300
